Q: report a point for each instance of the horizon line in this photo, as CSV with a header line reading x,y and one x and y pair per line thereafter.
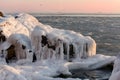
x,y
61,13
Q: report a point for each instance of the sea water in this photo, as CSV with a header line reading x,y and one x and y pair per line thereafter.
x,y
104,29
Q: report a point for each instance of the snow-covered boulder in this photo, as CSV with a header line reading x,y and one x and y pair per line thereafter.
x,y
17,46
27,20
10,25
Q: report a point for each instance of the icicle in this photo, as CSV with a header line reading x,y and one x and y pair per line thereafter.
x,y
37,43
44,53
91,46
29,55
81,50
57,54
39,48
41,53
49,54
36,37
61,51
2,57
85,52
75,48
53,55
68,48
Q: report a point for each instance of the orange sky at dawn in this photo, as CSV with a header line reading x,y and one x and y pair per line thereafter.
x,y
60,6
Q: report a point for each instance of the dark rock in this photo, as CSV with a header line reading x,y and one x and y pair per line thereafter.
x,y
16,16
71,51
64,48
1,14
51,47
2,37
34,57
11,55
44,40
62,76
23,47
30,51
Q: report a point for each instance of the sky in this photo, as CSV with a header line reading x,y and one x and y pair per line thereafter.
x,y
60,6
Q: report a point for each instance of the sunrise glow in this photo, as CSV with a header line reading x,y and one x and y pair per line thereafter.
x,y
63,6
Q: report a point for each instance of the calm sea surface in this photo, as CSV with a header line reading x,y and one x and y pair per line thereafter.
x,y
104,29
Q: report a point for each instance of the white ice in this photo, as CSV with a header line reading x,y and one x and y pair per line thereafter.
x,y
45,69
116,69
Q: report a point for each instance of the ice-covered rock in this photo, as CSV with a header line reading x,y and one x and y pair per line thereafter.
x,y
82,46
37,41
91,63
17,46
52,47
27,20
10,25
116,69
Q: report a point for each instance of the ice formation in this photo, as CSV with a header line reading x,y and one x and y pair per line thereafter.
x,y
23,38
116,69
62,42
